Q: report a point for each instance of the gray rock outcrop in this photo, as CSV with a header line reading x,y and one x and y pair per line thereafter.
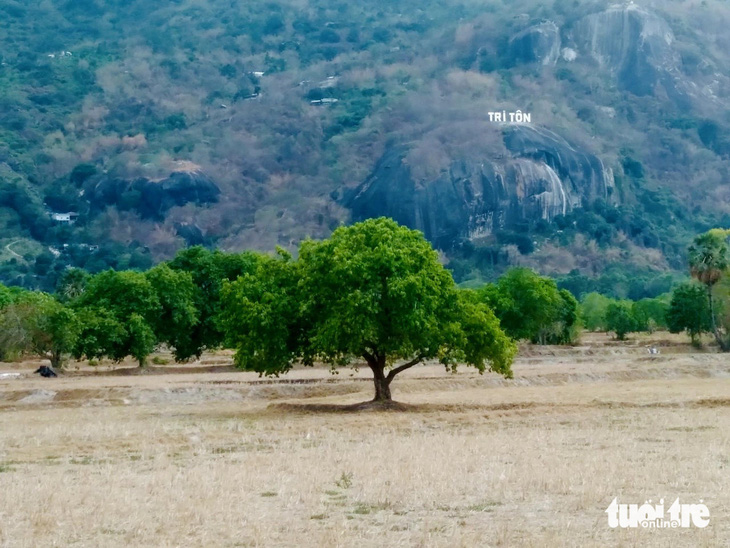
x,y
152,199
635,45
536,44
543,176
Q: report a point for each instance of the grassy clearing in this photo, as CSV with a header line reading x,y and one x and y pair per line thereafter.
x,y
18,248
469,461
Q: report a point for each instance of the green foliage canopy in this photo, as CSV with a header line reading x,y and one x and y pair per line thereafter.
x,y
71,284
36,323
621,320
532,307
178,316
261,316
375,291
208,270
593,309
119,310
650,314
689,311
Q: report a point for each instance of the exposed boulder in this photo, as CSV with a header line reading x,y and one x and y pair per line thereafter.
x,y
569,54
152,199
636,45
536,44
543,176
192,234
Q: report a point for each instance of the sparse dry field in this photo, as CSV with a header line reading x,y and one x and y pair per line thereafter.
x,y
211,457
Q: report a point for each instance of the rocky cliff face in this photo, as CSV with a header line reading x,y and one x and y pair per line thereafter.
x,y
636,45
544,176
537,44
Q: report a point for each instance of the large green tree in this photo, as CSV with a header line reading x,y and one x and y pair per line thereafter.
x,y
689,311
261,315
119,310
102,335
178,317
209,269
36,323
374,291
531,307
566,327
6,296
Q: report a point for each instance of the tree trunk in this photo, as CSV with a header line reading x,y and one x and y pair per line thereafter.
x,y
382,383
56,359
718,336
382,390
376,362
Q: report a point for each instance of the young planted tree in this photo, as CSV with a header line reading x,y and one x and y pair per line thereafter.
x,y
374,291
709,259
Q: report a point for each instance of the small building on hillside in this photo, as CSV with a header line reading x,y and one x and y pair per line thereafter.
x,y
65,218
324,101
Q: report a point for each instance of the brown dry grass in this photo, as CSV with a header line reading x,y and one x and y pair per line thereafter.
x,y
221,459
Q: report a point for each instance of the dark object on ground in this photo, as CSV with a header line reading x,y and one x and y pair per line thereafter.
x,y
46,371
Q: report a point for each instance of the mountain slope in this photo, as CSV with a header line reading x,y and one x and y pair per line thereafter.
x,y
274,117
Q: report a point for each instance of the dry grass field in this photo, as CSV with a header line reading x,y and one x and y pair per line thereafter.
x,y
202,455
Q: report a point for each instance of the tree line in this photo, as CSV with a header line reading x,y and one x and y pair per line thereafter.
x,y
374,293
696,307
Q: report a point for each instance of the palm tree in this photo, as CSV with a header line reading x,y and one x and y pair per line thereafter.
x,y
71,284
708,261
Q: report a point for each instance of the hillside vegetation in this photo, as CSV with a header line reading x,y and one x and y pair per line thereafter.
x,y
253,124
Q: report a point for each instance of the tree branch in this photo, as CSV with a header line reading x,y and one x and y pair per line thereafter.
x,y
369,357
401,368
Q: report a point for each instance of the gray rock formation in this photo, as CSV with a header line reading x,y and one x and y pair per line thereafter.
x,y
636,45
536,44
152,199
543,176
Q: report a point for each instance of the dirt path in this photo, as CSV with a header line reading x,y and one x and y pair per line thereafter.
x,y
10,250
